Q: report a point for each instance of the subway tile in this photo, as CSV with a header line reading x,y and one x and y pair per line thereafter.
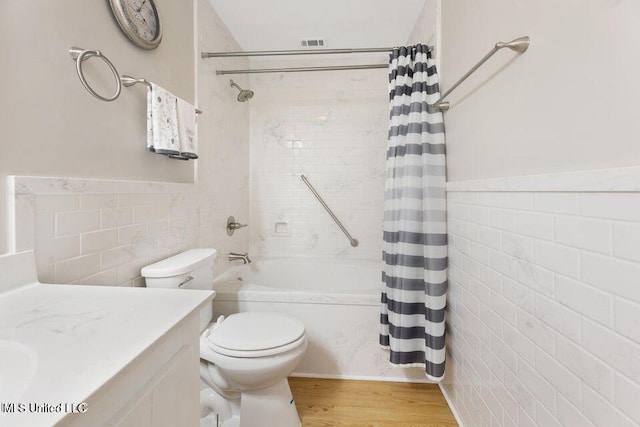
x,y
479,215
76,222
534,225
594,372
104,278
541,334
97,201
503,263
536,278
517,246
517,200
58,248
489,199
585,299
56,202
569,415
561,203
602,413
116,217
541,389
132,233
131,199
115,257
545,418
622,206
627,393
616,350
560,377
98,240
561,259
563,320
144,214
627,319
520,295
504,308
519,343
504,351
611,275
592,234
626,241
502,219
73,269
489,237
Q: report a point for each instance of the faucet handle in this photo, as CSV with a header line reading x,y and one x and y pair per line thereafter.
x,y
232,225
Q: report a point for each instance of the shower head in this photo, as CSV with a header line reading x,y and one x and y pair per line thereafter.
x,y
244,95
519,45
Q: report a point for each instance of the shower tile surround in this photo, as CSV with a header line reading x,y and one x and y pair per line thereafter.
x,y
332,127
544,300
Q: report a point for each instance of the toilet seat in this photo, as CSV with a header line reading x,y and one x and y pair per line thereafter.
x,y
254,334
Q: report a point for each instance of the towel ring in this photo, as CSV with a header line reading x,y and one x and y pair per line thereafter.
x,y
82,55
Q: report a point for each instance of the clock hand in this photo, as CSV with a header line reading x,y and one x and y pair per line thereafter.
x,y
142,4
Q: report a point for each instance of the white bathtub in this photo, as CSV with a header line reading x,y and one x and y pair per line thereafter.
x,y
338,302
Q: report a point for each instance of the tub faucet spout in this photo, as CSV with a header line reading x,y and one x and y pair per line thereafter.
x,y
234,256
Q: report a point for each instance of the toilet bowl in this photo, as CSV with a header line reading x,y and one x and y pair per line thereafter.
x,y
244,359
253,353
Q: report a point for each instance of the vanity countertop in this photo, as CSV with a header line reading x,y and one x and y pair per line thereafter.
x,y
62,343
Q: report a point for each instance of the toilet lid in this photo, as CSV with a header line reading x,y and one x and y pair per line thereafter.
x,y
255,331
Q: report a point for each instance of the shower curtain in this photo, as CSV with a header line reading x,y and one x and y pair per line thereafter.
x,y
415,237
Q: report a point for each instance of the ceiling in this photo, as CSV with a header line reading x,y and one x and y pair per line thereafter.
x,y
279,24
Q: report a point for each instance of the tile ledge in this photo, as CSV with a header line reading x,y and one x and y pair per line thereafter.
x,y
626,179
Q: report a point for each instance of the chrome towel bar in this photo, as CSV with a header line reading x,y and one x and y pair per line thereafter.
x,y
80,55
354,242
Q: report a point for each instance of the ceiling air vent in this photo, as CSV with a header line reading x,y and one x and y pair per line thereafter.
x,y
314,42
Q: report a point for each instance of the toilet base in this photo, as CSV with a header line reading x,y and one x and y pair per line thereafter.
x,y
269,407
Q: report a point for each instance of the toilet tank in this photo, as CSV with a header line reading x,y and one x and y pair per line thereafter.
x,y
192,269
187,270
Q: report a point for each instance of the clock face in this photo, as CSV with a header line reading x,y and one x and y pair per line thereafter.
x,y
139,20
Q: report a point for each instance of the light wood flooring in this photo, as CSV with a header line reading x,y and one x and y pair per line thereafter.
x,y
340,403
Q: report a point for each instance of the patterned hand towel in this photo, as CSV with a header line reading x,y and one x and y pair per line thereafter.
x,y
162,121
187,130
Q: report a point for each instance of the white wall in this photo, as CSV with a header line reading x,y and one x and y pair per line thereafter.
x,y
569,103
51,125
103,231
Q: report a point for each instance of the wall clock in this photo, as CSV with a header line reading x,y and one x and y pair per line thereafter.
x,y
139,21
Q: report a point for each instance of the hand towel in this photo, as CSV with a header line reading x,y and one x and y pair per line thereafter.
x,y
162,121
187,130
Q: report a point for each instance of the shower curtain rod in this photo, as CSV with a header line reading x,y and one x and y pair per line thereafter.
x,y
301,69
298,52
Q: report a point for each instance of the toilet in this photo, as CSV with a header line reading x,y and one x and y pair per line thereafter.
x,y
245,358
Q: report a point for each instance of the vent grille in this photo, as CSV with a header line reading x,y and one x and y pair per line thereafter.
x,y
314,42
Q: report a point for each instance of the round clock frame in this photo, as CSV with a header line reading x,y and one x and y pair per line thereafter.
x,y
134,28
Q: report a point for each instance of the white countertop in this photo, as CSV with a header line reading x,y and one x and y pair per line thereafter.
x,y
61,343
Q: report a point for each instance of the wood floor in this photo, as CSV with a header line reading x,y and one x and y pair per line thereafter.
x,y
340,403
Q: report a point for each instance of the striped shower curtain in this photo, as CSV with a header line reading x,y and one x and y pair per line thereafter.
x,y
415,237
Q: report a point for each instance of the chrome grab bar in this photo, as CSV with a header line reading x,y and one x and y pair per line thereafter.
x,y
354,242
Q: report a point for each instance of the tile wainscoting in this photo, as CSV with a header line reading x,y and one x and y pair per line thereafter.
x,y
544,300
103,232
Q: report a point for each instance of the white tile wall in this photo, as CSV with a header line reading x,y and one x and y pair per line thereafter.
x,y
87,231
544,330
332,127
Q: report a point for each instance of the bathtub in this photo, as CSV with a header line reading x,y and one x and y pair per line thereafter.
x,y
337,300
